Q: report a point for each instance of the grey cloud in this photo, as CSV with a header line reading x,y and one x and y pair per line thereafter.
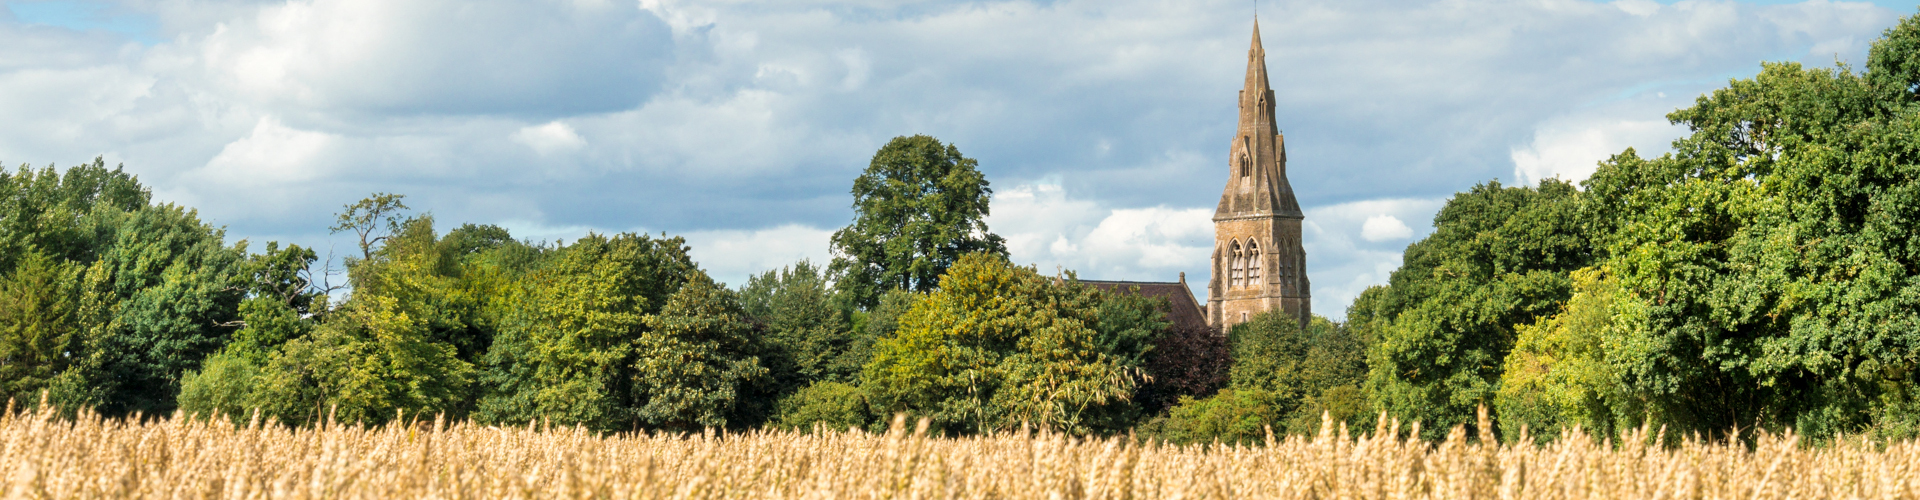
x,y
749,119
532,59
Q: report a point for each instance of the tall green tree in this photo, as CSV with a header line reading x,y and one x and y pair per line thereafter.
x,y
698,364
919,206
59,214
806,332
162,295
39,325
1767,264
1498,257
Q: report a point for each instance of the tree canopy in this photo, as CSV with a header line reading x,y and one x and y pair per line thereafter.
x,y
919,206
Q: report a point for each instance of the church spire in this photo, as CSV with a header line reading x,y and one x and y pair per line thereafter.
x,y
1259,261
1258,161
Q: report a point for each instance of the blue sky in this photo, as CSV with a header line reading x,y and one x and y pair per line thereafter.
x,y
740,124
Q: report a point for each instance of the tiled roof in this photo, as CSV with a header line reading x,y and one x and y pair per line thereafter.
x,y
1186,309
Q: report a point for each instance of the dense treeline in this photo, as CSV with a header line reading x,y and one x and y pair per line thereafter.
x,y
112,302
1765,274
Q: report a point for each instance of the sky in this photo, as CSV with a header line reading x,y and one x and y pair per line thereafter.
x,y
1103,125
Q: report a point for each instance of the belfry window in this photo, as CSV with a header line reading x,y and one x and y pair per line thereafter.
x,y
1253,264
1236,266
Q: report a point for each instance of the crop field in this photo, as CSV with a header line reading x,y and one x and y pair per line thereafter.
x,y
42,456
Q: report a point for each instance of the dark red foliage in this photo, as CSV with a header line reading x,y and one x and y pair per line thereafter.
x,y
1189,360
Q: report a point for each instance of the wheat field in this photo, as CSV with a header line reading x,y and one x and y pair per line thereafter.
x,y
43,456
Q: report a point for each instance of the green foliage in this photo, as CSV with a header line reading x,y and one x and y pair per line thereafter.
x,y
1235,415
160,297
806,332
614,333
998,345
1303,372
919,206
1439,332
1773,253
831,405
1129,323
406,342
371,363
58,215
1558,376
227,384
884,317
697,363
368,217
39,328
1762,275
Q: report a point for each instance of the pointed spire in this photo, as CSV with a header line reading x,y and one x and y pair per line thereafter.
x,y
1258,158
1256,49
1256,62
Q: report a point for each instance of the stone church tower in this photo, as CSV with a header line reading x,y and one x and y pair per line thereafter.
x,y
1258,263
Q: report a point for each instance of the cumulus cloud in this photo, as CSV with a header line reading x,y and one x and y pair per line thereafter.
x,y
443,56
554,137
1047,228
732,256
1384,227
1102,122
1571,146
1345,250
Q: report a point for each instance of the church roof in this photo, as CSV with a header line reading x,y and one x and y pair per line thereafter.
x,y
1186,309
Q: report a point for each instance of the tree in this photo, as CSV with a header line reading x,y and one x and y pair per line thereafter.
x,y
406,341
1767,262
1283,376
1558,375
806,333
832,405
571,339
1498,257
1239,415
162,295
1186,361
366,217
919,206
370,363
697,364
59,215
39,328
997,345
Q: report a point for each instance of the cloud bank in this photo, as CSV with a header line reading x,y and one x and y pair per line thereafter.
x,y
741,124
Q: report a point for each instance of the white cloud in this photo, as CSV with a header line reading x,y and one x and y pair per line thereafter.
x,y
1572,149
272,155
554,137
1642,8
442,56
731,256
1385,227
1342,257
1045,227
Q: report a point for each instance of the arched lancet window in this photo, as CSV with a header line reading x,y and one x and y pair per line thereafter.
x,y
1246,156
1253,264
1235,266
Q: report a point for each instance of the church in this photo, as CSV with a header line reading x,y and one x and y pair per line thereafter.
x,y
1258,263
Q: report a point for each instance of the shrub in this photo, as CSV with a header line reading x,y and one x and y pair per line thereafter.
x,y
833,405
